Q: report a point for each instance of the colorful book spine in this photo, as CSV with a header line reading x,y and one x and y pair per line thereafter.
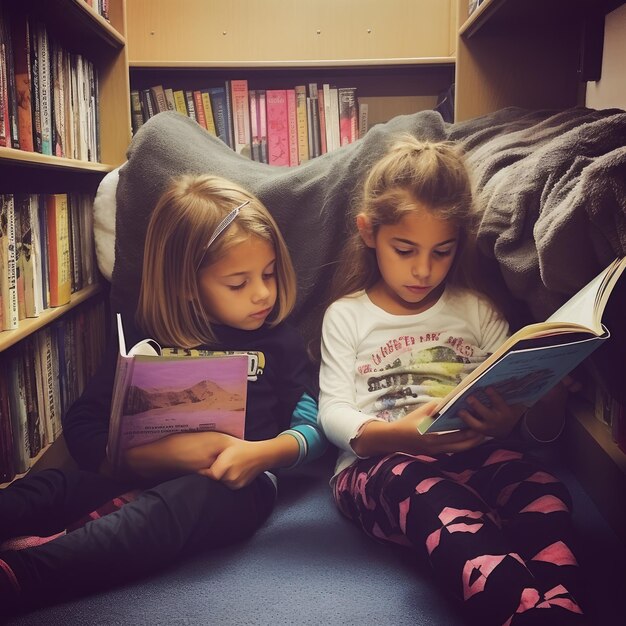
x,y
218,105
277,127
199,108
180,102
348,118
21,58
241,116
209,118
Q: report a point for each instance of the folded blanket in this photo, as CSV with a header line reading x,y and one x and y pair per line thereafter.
x,y
310,202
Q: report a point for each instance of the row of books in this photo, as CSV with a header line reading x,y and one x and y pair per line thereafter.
x,y
47,252
101,7
40,378
274,126
48,95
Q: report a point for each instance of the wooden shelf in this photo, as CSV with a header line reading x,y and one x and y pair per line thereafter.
x,y
598,463
493,15
79,23
30,325
24,157
301,64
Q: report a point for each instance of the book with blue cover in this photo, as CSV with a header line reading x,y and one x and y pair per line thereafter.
x,y
538,356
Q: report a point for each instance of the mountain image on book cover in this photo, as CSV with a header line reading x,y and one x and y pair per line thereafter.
x,y
156,395
535,358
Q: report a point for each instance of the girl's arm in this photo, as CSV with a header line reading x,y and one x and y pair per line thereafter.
x,y
352,430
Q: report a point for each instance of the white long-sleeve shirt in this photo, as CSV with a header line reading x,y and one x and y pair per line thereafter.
x,y
376,365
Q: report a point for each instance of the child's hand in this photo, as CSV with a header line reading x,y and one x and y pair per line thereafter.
x,y
238,464
378,437
497,420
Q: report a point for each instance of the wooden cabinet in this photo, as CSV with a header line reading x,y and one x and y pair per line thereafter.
x,y
398,54
539,55
78,29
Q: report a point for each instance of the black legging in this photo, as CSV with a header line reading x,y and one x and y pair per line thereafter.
x,y
495,528
165,522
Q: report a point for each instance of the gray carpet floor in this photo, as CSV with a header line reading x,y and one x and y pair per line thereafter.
x,y
308,565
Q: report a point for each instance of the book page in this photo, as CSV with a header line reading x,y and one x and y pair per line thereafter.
x,y
586,306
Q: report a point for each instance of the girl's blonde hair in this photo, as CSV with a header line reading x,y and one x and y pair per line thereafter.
x,y
412,171
183,221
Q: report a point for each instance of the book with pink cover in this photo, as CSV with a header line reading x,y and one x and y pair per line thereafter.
x,y
159,392
277,127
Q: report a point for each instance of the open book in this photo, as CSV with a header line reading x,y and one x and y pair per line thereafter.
x,y
161,392
535,358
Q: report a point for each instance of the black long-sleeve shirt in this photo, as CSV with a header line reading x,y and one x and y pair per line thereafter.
x,y
283,378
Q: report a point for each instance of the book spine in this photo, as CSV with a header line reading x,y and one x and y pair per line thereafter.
x,y
208,112
314,122
158,97
8,275
11,86
347,115
169,99
241,117
19,259
363,118
191,106
7,464
303,133
135,108
218,105
199,108
321,113
180,102
254,125
21,58
17,409
262,114
35,427
228,110
59,249
44,89
277,127
292,120
35,88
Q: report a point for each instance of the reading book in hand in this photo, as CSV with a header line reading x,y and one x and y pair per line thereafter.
x,y
538,356
159,392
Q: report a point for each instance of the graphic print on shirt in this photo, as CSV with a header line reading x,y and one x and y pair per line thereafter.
x,y
256,360
410,370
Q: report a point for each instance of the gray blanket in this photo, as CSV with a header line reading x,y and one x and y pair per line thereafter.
x,y
310,202
551,187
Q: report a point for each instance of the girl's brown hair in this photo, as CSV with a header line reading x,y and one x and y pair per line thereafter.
x,y
412,171
179,229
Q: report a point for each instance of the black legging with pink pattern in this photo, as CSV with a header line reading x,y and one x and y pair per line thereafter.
x,y
495,527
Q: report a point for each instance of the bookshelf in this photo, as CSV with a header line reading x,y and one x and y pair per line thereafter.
x,y
399,54
78,29
539,55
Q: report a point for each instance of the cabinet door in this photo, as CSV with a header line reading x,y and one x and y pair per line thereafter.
x,y
252,32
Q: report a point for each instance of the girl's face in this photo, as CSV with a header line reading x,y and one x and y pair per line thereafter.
x,y
414,257
240,289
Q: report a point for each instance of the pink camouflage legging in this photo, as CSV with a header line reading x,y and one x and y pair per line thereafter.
x,y
495,528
